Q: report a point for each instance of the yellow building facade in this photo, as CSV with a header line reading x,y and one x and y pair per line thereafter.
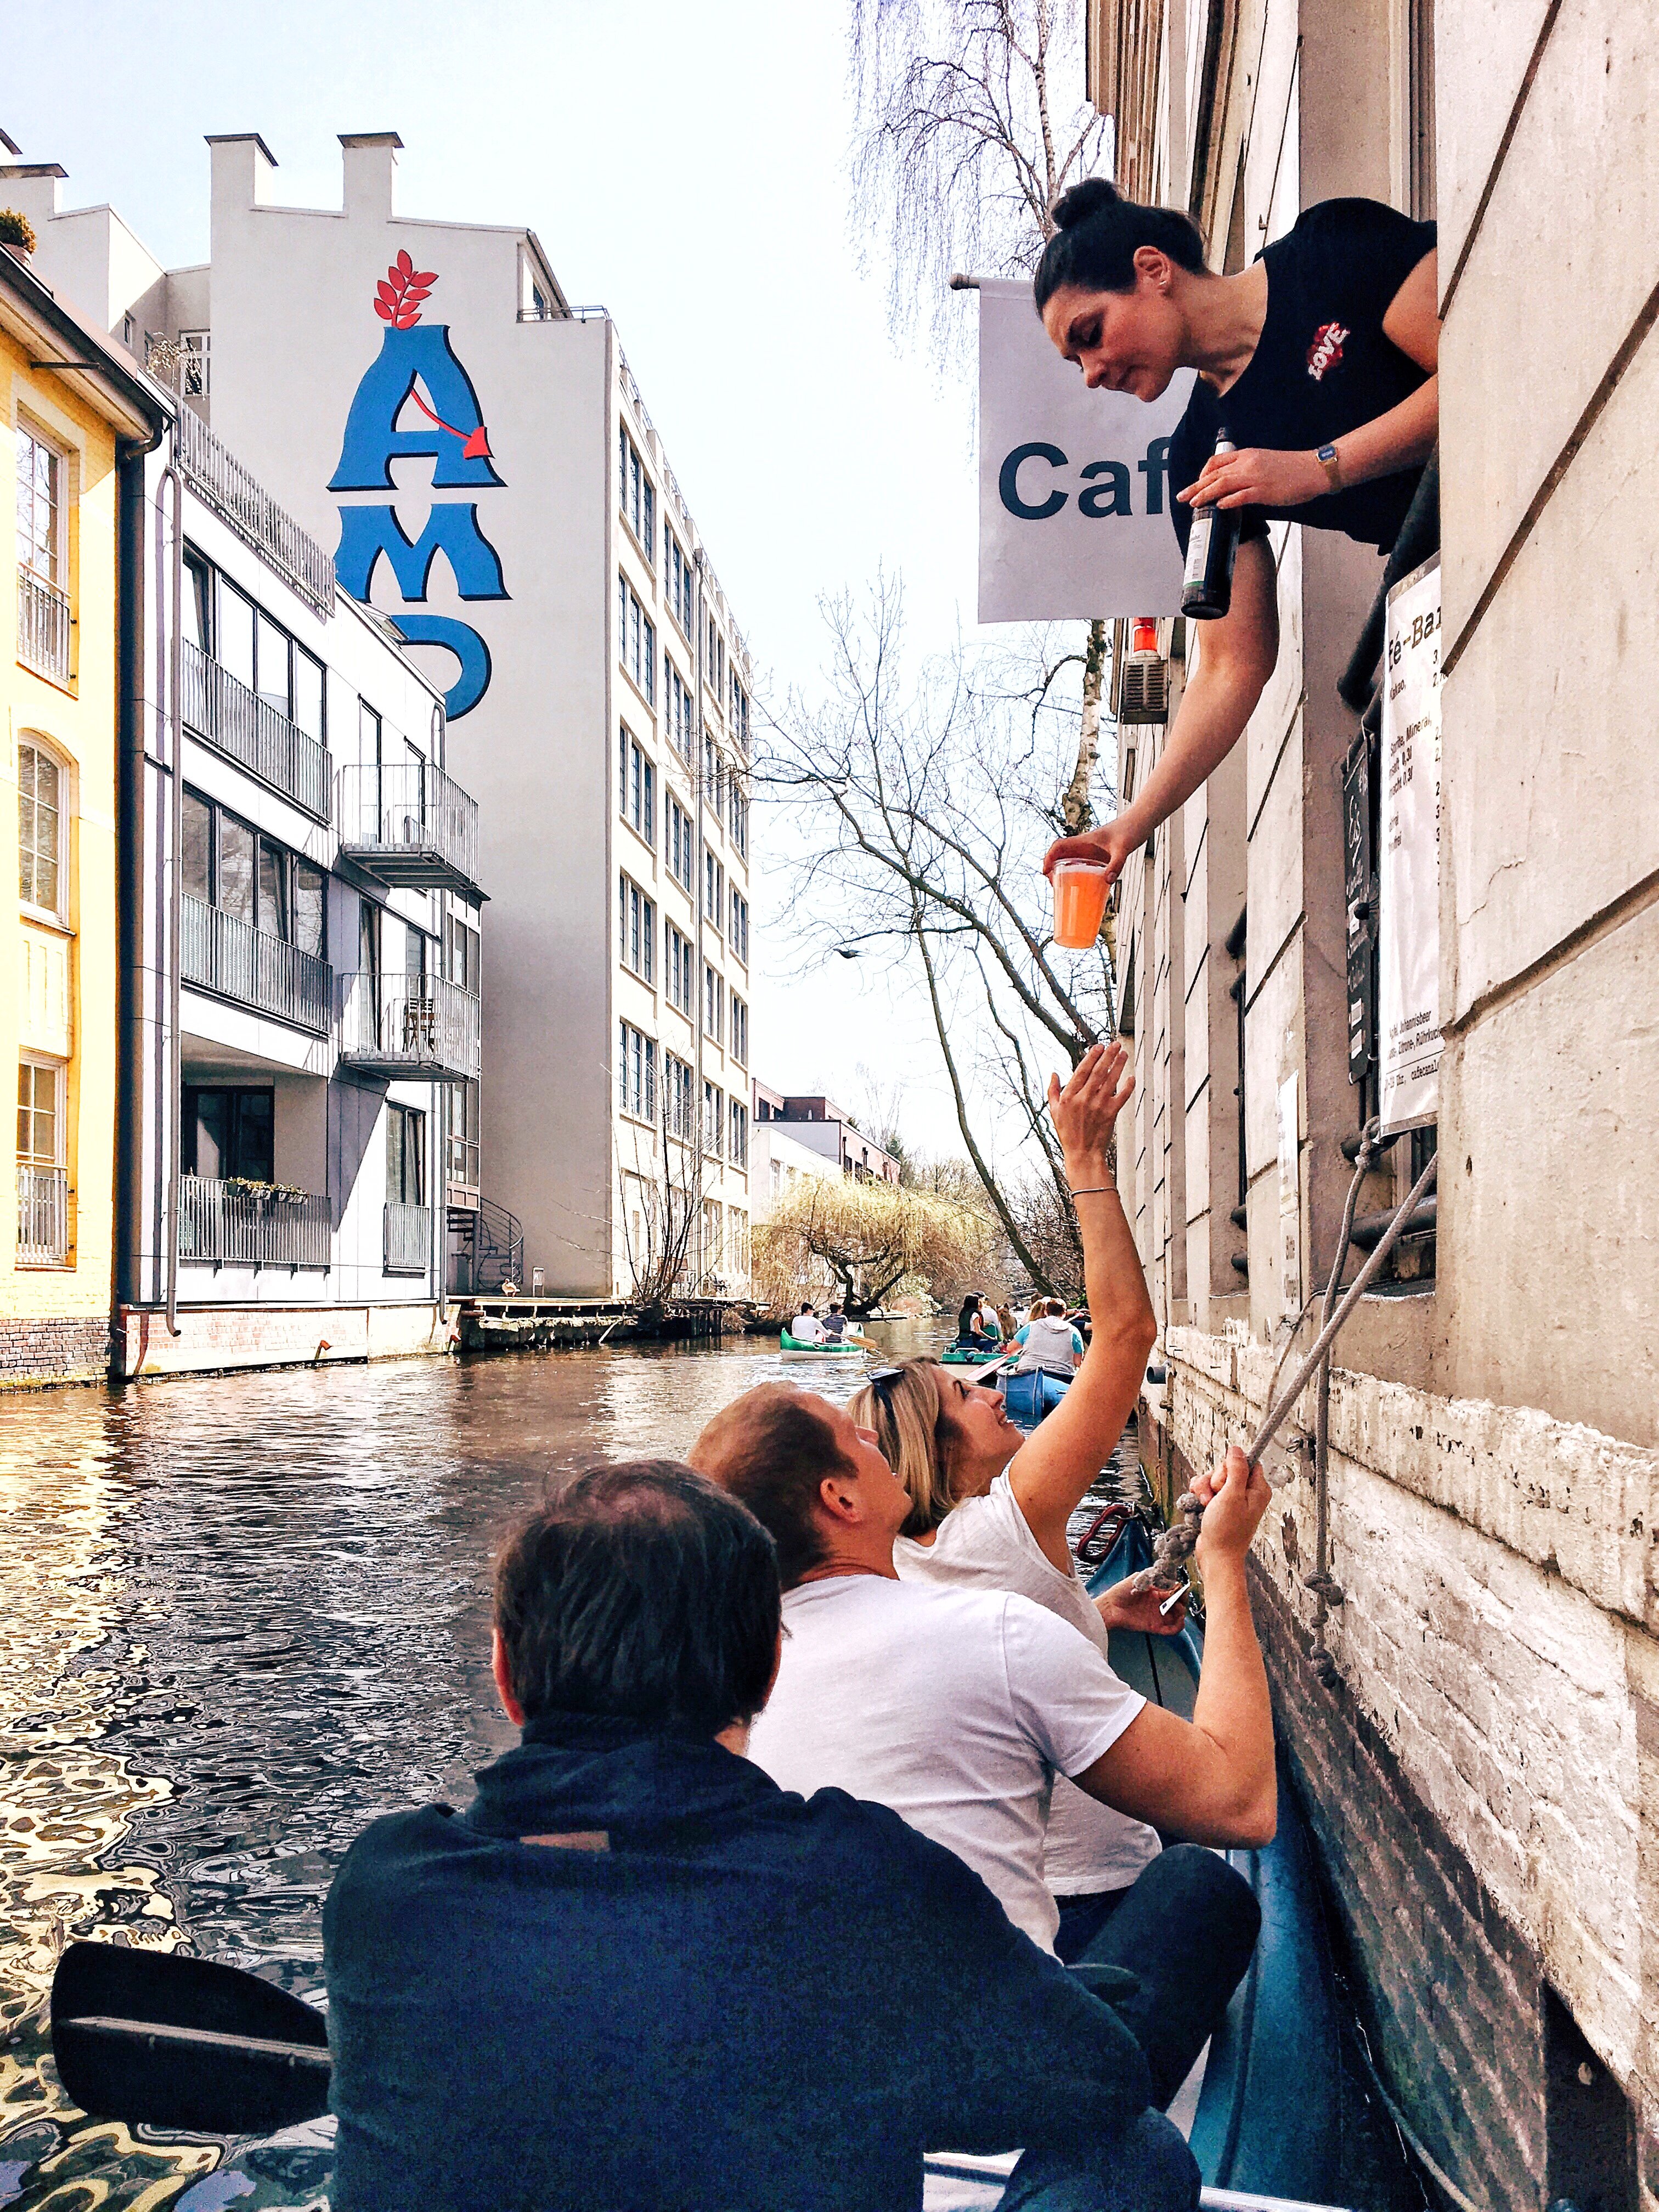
x,y
73,406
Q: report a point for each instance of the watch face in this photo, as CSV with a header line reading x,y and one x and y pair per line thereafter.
x,y
1326,453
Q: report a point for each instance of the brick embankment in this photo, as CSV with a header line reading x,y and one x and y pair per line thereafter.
x,y
40,1350
1483,1772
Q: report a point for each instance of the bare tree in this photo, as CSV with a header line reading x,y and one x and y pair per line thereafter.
x,y
927,811
660,1184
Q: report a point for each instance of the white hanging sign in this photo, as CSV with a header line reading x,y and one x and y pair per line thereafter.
x,y
1408,871
1075,487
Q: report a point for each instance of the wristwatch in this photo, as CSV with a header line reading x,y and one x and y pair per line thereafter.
x,y
1327,458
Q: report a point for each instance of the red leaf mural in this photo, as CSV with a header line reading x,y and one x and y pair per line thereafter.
x,y
398,294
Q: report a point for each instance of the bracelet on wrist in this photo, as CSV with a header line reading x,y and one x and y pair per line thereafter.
x,y
1098,1190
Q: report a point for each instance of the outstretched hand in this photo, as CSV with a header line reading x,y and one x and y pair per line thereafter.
x,y
1109,846
1085,1111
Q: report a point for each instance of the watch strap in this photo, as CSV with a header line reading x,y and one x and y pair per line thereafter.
x,y
1328,460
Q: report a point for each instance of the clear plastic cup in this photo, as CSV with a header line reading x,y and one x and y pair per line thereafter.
x,y
1080,888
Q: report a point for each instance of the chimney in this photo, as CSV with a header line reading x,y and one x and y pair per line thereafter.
x,y
371,173
242,163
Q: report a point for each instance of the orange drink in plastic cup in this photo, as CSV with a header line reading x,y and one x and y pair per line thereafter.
x,y
1080,888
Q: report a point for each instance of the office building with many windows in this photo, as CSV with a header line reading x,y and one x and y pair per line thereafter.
x,y
479,453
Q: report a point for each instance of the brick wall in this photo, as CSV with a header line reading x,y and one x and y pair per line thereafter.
x,y
1454,1995
65,1348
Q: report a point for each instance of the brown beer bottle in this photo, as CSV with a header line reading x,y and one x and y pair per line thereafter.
x,y
1206,583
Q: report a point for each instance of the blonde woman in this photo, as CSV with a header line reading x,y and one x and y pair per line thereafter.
x,y
991,1507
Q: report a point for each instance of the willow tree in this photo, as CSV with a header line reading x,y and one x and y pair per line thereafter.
x,y
870,1238
965,135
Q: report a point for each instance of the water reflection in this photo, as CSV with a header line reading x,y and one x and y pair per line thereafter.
x,y
239,1617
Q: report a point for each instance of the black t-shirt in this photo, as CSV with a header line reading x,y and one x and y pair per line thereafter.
x,y
1322,366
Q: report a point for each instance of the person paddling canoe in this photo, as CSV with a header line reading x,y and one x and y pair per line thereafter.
x,y
1321,360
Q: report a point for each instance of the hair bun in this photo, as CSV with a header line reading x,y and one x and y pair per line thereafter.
x,y
1082,200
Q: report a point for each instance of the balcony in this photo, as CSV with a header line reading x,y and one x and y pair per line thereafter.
x,y
43,626
43,1239
249,1225
407,1239
417,1027
235,722
411,826
233,961
253,513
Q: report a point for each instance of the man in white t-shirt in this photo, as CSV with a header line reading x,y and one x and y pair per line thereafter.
x,y
957,1707
807,1328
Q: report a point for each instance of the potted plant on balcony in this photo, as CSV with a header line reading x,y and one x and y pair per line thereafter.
x,y
16,234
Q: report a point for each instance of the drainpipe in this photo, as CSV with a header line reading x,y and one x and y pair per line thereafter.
x,y
699,1135
169,670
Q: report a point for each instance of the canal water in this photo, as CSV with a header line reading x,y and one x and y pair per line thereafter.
x,y
239,1617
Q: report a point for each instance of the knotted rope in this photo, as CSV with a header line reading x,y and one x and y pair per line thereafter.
x,y
1175,1545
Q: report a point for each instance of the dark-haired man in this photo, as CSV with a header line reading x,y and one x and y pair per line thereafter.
x,y
637,1976
958,1706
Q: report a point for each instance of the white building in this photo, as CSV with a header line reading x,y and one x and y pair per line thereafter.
x,y
296,1112
414,389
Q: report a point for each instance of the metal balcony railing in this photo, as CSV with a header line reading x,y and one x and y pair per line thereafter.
x,y
226,957
407,1239
43,626
224,713
241,1224
419,1027
254,515
408,823
43,1238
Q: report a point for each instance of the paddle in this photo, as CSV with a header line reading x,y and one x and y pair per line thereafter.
x,y
185,2043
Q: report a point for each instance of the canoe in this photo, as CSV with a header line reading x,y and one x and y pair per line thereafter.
x,y
1027,1397
963,1355
818,1350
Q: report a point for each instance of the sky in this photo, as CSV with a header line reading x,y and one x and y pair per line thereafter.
x,y
686,167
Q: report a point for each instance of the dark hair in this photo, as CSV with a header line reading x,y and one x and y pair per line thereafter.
x,y
1099,232
969,1315
639,1592
772,1449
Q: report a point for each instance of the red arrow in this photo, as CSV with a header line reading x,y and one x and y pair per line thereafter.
x,y
475,444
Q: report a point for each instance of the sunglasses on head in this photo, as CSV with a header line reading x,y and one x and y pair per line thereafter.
x,y
884,1377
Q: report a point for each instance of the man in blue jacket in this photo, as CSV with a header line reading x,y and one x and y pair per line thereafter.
x,y
637,1976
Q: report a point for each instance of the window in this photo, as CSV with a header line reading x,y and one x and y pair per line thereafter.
x,y
739,925
464,1151
39,1113
196,364
222,621
737,810
225,863
713,888
637,1073
680,573
224,1134
636,780
740,1030
711,1235
736,1243
715,671
713,1118
714,777
636,494
679,842
680,711
405,1155
636,927
465,950
41,795
638,640
714,1003
677,1100
40,472
740,713
738,1154
676,952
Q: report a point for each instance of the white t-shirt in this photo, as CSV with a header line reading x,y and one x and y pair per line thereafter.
x,y
956,1708
988,1541
807,1328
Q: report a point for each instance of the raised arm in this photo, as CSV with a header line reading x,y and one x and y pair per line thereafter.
x,y
1212,1780
1236,657
1050,1473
